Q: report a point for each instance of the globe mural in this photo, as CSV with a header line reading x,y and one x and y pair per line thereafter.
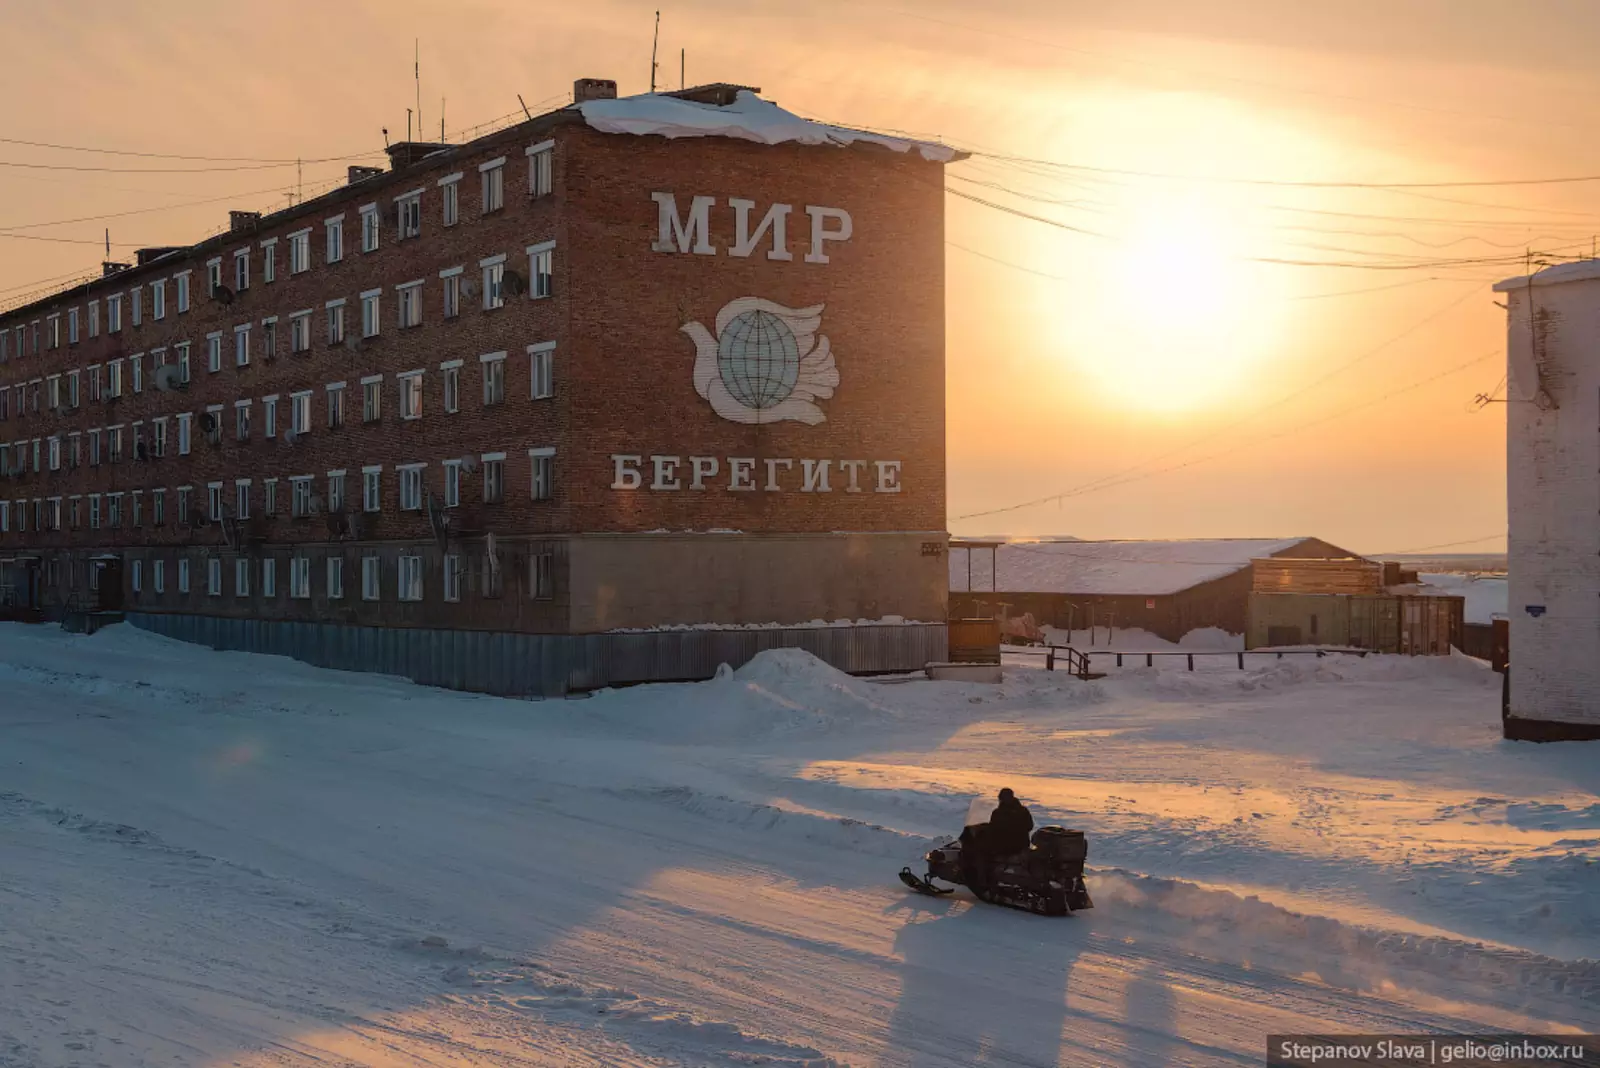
x,y
758,359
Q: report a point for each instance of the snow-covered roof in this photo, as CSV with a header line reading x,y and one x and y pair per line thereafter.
x,y
748,118
1576,271
1141,568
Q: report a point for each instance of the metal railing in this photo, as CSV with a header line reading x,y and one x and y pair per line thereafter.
x,y
1079,661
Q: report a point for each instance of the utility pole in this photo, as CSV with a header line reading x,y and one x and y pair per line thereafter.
x,y
654,42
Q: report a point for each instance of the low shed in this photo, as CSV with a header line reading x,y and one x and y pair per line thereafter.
x,y
1165,587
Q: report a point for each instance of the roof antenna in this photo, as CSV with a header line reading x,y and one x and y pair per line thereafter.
x,y
108,242
654,41
682,52
386,137
525,110
441,120
416,72
408,124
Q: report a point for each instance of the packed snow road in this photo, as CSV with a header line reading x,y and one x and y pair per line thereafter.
x,y
224,859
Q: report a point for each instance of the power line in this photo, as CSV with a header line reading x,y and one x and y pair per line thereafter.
x,y
1442,545
143,155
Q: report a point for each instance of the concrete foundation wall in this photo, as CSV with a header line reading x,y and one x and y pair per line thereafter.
x,y
649,580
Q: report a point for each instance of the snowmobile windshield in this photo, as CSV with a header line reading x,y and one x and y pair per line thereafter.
x,y
979,811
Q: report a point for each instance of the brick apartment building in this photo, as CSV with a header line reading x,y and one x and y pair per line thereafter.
x,y
610,370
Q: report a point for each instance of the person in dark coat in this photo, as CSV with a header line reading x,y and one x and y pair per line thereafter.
x,y
1011,826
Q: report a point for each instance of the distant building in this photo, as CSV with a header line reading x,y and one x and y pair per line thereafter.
x,y
512,414
1553,502
1165,587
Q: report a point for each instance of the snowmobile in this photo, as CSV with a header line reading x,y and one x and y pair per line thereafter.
x,y
1046,879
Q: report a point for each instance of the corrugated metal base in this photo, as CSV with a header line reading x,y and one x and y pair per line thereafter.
x,y
550,665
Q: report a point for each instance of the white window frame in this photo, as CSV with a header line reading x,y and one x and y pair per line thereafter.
x,y
241,576
485,360
214,576
452,483
335,394
450,196
269,415
300,251
241,498
300,331
541,270
450,280
181,280
493,465
300,412
410,383
541,168
158,299
183,574
409,586
410,481
371,578
493,269
335,578
299,577
333,238
371,227
214,351
450,376
408,215
372,399
541,370
408,303
269,260
335,319
269,577
372,488
541,473
493,195
371,312
241,345
453,568
241,270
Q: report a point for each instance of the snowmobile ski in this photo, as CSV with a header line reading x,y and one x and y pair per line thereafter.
x,y
921,885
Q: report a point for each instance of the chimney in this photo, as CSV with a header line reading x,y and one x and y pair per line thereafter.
x,y
361,174
108,269
593,89
403,154
243,220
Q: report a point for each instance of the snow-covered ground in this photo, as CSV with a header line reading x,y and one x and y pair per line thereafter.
x,y
226,859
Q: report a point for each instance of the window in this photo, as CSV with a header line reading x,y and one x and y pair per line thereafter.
x,y
411,487
72,325
94,324
542,465
52,392
300,251
541,367
114,380
494,378
452,483
214,352
158,302
335,405
410,304
300,496
183,435
139,452
52,325
241,269
371,398
241,498
94,511
369,312
269,336
158,507
336,322
542,574
451,278
269,260
300,412
213,276
494,191
410,395
369,578
114,439
269,416
241,577
452,577
241,346
335,577
158,576
182,282
299,576
408,211
450,372
135,302
136,371
540,157
241,420
450,193
369,228
185,515
114,314
494,274
335,491
410,578
183,575
55,454
335,241
269,496
75,448
300,331
494,477
183,359
269,577
214,501
136,576
371,489
541,269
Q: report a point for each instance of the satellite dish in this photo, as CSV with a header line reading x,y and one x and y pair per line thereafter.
x,y
222,295
316,503
169,378
290,436
469,464
469,288
513,283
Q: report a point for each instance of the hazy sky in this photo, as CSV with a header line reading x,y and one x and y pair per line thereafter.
x,y
1146,361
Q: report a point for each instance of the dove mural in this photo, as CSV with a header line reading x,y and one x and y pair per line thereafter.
x,y
765,363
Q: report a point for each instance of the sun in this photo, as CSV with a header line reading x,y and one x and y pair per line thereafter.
x,y
1176,316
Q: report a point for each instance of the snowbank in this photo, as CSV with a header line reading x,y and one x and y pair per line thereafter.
x,y
1486,595
748,118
